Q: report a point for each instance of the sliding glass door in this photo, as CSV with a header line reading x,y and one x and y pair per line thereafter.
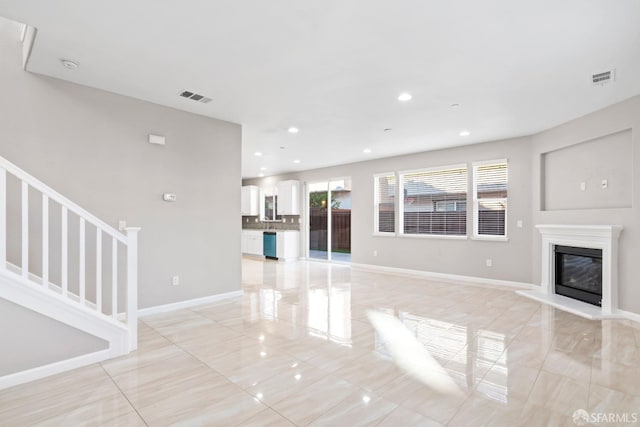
x,y
318,220
330,220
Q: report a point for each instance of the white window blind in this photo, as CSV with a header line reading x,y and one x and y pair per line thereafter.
x,y
490,198
435,201
385,196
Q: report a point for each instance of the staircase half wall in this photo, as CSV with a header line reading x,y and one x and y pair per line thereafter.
x,y
35,340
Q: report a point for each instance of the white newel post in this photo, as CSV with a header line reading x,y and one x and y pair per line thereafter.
x,y
132,286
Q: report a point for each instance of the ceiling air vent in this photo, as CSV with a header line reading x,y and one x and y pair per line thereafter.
x,y
194,96
604,77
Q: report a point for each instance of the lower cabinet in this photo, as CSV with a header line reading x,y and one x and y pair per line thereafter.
x,y
287,244
252,242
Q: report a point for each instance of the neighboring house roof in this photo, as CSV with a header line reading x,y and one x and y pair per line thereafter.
x,y
492,187
417,188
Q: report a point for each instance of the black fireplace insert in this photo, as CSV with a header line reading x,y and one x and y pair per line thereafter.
x,y
579,273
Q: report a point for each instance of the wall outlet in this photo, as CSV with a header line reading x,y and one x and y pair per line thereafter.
x,y
519,223
605,183
175,280
489,262
122,225
375,252
583,186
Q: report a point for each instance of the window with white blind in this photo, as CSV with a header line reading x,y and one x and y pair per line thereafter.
x,y
490,182
385,201
434,201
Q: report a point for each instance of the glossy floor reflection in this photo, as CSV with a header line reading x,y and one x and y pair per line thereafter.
x,y
297,349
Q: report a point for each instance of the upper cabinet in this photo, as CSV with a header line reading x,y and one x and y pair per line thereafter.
x,y
288,197
250,200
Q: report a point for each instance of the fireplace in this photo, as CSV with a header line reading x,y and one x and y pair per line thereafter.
x,y
578,273
579,269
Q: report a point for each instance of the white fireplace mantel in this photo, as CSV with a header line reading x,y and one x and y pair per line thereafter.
x,y
604,237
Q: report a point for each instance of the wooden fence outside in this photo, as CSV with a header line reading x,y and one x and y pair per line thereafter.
x,y
340,230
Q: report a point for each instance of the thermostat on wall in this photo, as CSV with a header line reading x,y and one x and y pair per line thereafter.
x,y
169,197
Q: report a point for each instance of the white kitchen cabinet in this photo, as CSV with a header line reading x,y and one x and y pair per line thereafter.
x,y
244,242
250,200
252,242
288,245
288,197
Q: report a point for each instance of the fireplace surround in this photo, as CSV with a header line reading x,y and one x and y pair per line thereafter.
x,y
601,238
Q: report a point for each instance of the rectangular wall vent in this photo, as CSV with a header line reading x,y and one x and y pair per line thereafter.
x,y
194,96
604,77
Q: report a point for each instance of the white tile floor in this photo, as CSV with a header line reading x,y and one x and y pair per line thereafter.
x,y
298,349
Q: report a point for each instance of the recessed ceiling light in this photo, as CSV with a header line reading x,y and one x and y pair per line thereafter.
x,y
261,175
282,148
263,168
296,161
465,133
293,130
366,150
454,106
404,97
387,130
257,153
71,65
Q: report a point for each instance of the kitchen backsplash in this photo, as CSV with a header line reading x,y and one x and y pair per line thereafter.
x,y
292,222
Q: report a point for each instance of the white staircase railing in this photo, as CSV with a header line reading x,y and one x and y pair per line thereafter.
x,y
105,236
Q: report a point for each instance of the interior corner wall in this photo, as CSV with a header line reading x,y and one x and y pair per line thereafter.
x,y
605,124
91,146
511,259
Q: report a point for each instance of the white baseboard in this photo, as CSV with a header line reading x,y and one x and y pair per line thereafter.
x,y
188,303
629,315
54,368
469,280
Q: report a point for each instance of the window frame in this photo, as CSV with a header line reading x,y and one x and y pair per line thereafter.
x,y
400,203
376,203
476,203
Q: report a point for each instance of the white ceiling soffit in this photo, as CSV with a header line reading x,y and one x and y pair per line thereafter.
x,y
334,69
